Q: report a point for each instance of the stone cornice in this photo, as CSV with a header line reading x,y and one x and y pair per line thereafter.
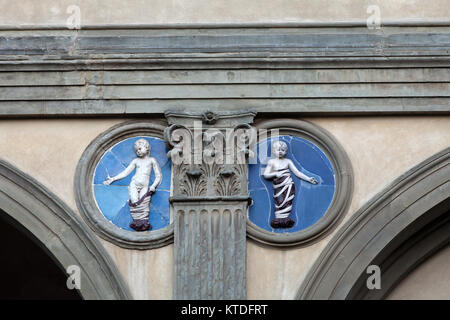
x,y
325,69
224,47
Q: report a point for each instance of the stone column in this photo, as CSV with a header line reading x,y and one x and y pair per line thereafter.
x,y
209,202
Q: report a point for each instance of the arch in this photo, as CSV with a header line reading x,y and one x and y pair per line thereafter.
x,y
396,230
61,232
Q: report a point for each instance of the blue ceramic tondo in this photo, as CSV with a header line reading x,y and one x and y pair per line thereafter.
x,y
112,200
310,202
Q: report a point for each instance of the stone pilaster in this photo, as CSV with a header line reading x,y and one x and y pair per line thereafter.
x,y
209,201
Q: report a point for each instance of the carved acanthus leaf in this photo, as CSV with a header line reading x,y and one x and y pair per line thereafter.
x,y
192,182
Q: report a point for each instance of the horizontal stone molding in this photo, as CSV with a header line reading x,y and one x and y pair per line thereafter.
x,y
84,194
274,45
233,91
222,77
252,25
210,199
326,70
310,107
265,60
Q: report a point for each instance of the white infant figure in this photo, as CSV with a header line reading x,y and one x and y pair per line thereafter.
x,y
138,190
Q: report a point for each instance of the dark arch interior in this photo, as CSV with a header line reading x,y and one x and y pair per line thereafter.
x,y
27,269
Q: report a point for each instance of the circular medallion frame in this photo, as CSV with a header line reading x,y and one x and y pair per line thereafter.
x,y
343,184
84,193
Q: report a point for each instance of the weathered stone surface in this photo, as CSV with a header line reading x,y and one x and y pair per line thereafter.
x,y
210,250
209,201
328,70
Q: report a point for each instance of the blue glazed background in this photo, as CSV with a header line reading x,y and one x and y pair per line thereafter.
x,y
112,200
310,202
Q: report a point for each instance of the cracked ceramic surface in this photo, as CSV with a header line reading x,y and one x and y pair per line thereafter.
x,y
112,200
311,201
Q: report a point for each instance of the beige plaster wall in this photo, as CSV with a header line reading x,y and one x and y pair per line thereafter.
x,y
380,149
53,12
430,280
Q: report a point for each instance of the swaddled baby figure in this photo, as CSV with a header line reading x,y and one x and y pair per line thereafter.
x,y
279,169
